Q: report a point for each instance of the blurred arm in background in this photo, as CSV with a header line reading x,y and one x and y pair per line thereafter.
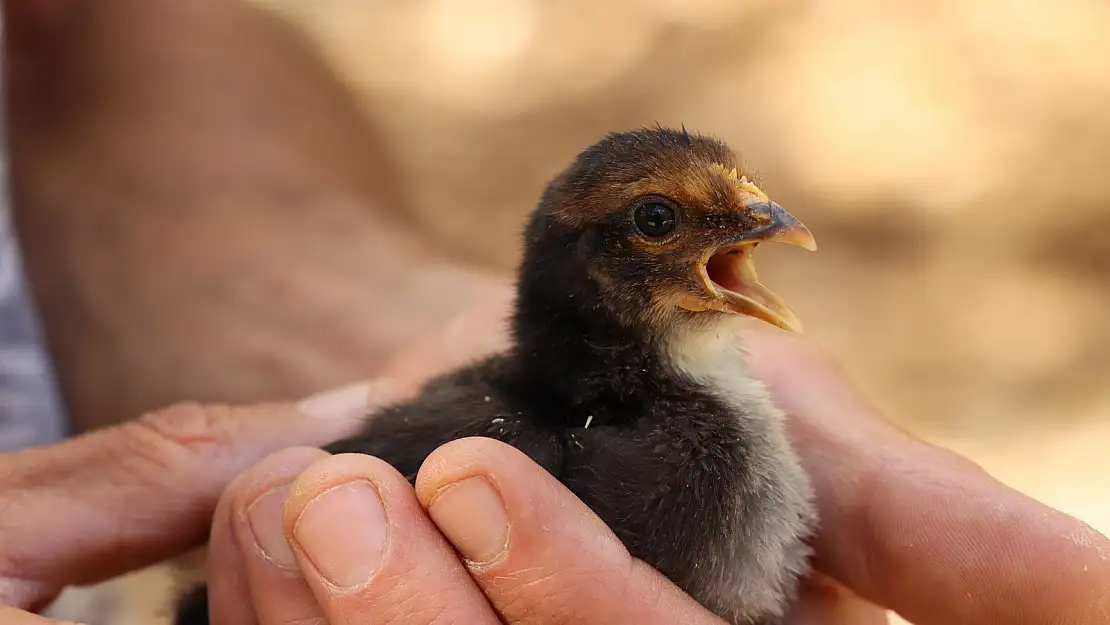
x,y
189,172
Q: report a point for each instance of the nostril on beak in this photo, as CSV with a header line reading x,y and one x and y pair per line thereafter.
x,y
780,226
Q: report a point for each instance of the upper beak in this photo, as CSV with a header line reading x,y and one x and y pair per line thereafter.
x,y
781,226
729,274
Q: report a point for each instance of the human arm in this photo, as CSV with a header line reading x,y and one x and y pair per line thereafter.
x,y
231,195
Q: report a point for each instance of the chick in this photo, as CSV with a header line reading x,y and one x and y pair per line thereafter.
x,y
626,379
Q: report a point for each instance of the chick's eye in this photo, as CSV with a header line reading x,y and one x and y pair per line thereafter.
x,y
655,219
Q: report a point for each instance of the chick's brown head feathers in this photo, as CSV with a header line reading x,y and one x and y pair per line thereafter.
x,y
669,221
625,378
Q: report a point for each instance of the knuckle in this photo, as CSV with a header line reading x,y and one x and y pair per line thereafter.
x,y
553,584
411,597
174,437
539,594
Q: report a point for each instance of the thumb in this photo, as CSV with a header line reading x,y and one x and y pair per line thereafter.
x,y
125,497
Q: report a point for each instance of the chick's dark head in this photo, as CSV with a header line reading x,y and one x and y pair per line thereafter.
x,y
657,227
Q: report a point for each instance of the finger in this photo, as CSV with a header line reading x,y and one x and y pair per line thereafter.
x,y
278,592
919,529
125,497
538,552
822,601
227,590
369,552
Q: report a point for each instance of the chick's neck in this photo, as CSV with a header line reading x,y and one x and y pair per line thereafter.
x,y
571,346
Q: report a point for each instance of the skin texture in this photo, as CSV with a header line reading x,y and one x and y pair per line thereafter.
x,y
1017,568
976,549
169,195
1011,568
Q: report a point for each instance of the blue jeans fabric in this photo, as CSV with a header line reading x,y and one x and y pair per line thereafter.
x,y
31,411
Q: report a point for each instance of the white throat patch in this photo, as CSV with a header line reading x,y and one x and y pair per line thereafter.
x,y
715,358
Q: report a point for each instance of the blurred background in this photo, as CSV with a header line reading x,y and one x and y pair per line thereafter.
x,y
950,158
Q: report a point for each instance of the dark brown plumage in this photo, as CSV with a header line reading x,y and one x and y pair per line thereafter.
x,y
626,379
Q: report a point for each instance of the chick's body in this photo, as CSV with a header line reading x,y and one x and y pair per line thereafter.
x,y
627,381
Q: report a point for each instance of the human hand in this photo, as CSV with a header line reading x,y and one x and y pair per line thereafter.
x,y
122,498
308,537
917,528
125,497
905,525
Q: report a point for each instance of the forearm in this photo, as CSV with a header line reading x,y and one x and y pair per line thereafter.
x,y
209,186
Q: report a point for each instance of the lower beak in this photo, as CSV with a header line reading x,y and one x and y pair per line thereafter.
x,y
728,273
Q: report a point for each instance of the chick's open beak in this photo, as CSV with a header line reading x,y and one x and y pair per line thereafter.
x,y
728,274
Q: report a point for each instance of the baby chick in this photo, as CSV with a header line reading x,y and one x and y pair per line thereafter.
x,y
627,380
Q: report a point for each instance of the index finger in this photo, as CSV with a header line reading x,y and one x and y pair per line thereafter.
x,y
919,529
121,498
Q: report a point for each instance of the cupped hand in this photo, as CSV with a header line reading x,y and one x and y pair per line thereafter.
x,y
118,499
315,538
919,529
304,535
125,497
905,525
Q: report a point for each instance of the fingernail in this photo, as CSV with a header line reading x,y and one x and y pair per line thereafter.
x,y
265,519
472,516
348,402
343,532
